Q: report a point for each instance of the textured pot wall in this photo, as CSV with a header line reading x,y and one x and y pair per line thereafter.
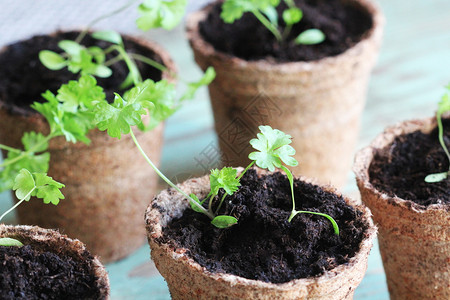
x,y
414,241
319,103
53,241
188,280
107,183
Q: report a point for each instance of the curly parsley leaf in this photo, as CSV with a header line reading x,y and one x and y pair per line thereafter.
x,y
40,185
274,148
80,94
226,179
35,142
160,13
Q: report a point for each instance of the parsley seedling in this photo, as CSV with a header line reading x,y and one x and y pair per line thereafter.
x,y
443,107
265,11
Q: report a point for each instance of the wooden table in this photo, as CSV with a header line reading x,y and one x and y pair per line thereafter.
x,y
407,83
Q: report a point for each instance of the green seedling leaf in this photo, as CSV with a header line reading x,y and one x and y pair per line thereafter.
x,y
437,177
226,179
52,60
70,47
310,37
271,14
24,185
34,142
160,13
102,71
233,10
39,185
292,15
9,242
81,94
273,146
108,36
195,207
192,87
224,221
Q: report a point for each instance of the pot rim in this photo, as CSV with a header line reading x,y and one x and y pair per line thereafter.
x,y
154,231
364,158
63,244
374,34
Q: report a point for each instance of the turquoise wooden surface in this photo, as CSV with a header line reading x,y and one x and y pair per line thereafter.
x,y
407,82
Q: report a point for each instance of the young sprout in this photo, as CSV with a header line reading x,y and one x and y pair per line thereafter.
x,y
26,185
265,11
443,107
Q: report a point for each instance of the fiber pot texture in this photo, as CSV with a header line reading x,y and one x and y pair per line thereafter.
x,y
188,280
53,241
414,241
319,102
106,186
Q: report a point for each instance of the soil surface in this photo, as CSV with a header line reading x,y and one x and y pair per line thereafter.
x,y
26,273
264,245
247,38
23,78
400,169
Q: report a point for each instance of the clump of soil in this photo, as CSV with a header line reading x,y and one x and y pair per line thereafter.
x,y
23,78
343,24
26,273
264,245
400,169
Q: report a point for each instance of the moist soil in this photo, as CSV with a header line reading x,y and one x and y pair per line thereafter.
x,y
344,25
26,273
23,78
400,168
264,245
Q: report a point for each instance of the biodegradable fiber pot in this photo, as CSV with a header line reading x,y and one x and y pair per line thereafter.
x,y
52,241
106,186
414,240
318,102
188,280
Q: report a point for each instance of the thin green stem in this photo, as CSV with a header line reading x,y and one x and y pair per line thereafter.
x,y
10,149
113,60
25,153
268,24
82,34
160,174
148,61
17,204
246,169
210,203
220,204
333,222
286,32
130,64
441,136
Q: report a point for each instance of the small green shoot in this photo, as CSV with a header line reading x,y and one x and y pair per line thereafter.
x,y
444,106
265,11
160,13
9,242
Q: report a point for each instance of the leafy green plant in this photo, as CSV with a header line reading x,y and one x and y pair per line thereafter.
x,y
273,152
443,107
265,11
28,184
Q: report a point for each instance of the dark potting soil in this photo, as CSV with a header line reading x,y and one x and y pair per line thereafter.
x,y
264,245
343,25
26,273
23,78
400,169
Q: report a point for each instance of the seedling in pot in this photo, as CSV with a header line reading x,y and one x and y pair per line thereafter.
x,y
443,107
265,11
273,152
